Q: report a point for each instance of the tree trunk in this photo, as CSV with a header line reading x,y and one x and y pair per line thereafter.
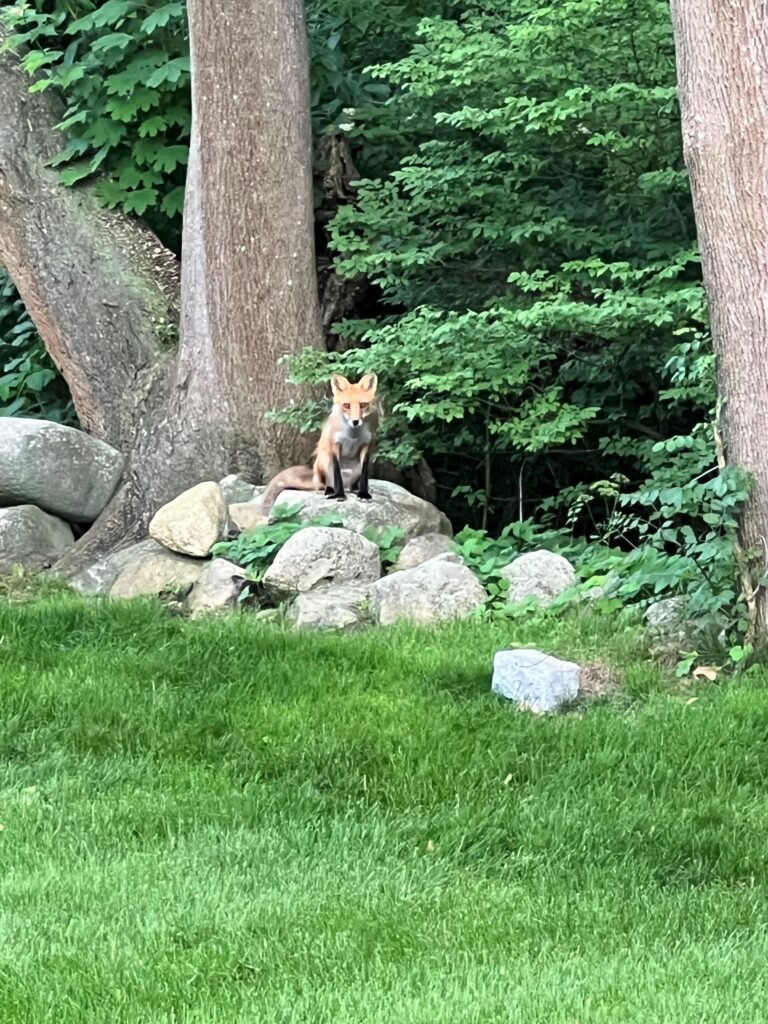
x,y
103,292
96,284
248,281
722,59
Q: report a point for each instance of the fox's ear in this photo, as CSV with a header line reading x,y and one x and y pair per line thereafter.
x,y
338,383
369,382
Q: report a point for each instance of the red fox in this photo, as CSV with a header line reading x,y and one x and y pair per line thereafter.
x,y
343,453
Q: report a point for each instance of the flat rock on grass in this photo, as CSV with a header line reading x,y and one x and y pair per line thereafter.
x,y
536,681
57,468
390,505
320,556
192,523
435,591
32,538
156,574
341,607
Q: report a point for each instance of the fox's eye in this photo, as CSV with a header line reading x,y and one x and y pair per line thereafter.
x,y
363,406
345,407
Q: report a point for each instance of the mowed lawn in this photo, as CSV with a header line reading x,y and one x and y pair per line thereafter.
x,y
225,822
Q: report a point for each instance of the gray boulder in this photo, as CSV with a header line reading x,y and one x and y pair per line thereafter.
x,y
542,575
31,538
59,469
422,549
155,573
193,522
345,606
435,591
99,577
217,588
534,680
235,489
390,505
320,556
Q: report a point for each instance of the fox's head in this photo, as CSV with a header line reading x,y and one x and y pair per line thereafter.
x,y
356,401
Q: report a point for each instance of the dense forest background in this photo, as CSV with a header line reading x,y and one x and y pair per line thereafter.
x,y
504,232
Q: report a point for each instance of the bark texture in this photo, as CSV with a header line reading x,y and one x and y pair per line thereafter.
x,y
722,59
95,283
99,285
249,286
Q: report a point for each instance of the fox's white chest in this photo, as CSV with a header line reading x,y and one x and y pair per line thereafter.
x,y
351,441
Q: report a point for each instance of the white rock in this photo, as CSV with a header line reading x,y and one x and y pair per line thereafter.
x,y
320,556
193,522
536,681
543,575
59,469
435,591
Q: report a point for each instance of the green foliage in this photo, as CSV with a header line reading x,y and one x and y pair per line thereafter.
x,y
124,75
390,541
535,250
29,383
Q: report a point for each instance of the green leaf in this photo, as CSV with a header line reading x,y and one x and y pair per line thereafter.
x,y
161,17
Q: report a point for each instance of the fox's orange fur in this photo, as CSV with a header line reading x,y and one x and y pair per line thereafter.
x,y
344,451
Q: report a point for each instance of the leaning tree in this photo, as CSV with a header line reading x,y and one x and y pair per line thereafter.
x,y
722,58
178,367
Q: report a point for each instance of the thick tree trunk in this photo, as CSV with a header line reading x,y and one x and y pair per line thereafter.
x,y
249,285
722,58
99,286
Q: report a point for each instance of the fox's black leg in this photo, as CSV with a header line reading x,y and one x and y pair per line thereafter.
x,y
338,481
362,485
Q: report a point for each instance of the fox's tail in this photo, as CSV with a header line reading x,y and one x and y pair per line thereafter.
x,y
295,478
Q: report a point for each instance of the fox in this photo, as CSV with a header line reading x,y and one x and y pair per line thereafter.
x,y
343,454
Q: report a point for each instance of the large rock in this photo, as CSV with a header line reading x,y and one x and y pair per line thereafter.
x,y
422,549
156,573
345,606
31,538
320,556
542,575
534,680
100,575
192,523
59,469
435,591
390,505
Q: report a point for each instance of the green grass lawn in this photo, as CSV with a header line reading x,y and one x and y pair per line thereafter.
x,y
224,822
